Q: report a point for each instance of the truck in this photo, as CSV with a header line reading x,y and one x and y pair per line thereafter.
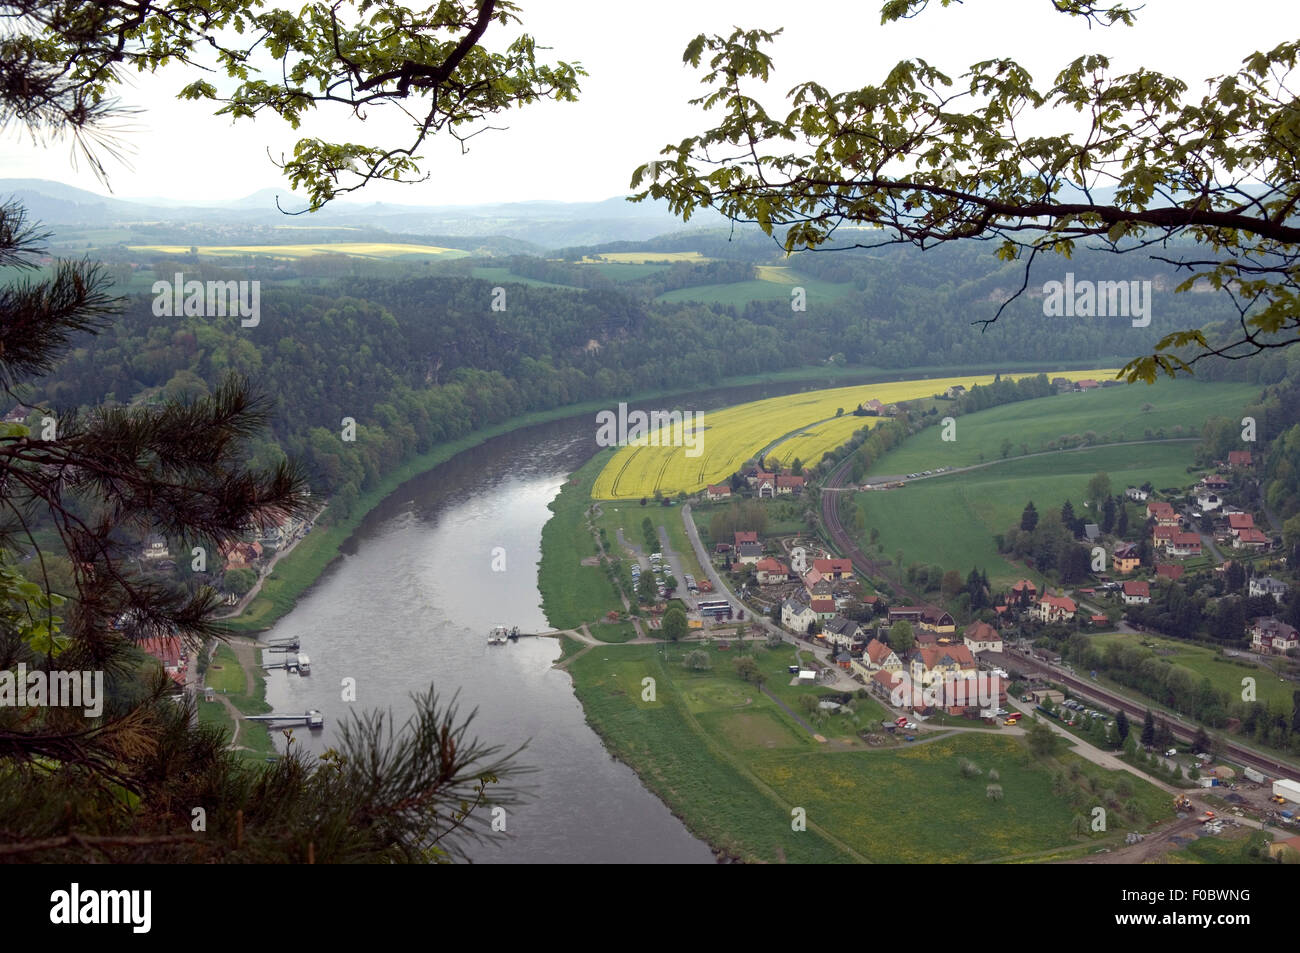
x,y
1285,787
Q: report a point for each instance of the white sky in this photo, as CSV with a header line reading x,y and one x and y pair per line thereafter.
x,y
635,99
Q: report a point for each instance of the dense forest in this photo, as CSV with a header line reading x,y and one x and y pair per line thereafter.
x,y
418,358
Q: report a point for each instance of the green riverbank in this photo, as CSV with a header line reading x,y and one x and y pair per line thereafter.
x,y
297,571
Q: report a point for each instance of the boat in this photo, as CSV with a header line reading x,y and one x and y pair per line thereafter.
x,y
498,635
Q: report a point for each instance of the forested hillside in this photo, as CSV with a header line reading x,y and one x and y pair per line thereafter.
x,y
420,360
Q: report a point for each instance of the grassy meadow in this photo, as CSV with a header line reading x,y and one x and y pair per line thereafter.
x,y
1114,414
734,766
951,520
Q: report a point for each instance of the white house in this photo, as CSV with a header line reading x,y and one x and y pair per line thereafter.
x,y
841,631
1136,495
1136,593
982,637
797,616
1268,586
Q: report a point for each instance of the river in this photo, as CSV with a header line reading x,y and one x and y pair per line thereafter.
x,y
410,602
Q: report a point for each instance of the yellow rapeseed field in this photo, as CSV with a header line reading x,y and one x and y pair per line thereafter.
x,y
735,434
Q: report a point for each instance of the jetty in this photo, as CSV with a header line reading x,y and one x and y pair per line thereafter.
x,y
294,663
312,718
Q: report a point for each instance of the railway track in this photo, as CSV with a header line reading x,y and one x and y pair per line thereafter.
x,y
862,563
1181,729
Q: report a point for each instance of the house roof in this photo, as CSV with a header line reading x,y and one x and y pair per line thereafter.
x,y
947,655
789,480
1136,588
1241,521
1059,602
1159,508
1170,571
769,564
827,566
1252,535
1125,551
745,536
749,549
1185,539
166,649
878,651
1276,628
719,488
1239,457
841,625
1023,585
982,632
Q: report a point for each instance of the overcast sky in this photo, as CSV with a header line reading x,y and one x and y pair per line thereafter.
x,y
635,99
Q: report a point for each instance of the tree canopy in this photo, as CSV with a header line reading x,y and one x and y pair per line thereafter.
x,y
64,61
1205,183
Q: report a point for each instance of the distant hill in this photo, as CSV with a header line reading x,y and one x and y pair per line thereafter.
x,y
542,224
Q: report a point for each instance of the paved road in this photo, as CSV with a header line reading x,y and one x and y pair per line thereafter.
x,y
843,681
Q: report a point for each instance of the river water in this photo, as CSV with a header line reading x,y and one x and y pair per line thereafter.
x,y
410,603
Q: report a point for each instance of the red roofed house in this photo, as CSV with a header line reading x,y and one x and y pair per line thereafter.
x,y
928,664
1250,539
239,555
878,655
1164,513
824,606
1086,384
874,408
167,650
834,568
788,483
769,571
1161,535
1270,636
745,537
1054,609
1239,521
718,491
1098,619
1239,458
982,637
1184,544
765,484
1023,592
1170,571
1136,593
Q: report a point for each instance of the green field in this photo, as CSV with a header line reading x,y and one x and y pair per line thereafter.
x,y
734,765
1115,414
951,520
571,592
1203,662
624,270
